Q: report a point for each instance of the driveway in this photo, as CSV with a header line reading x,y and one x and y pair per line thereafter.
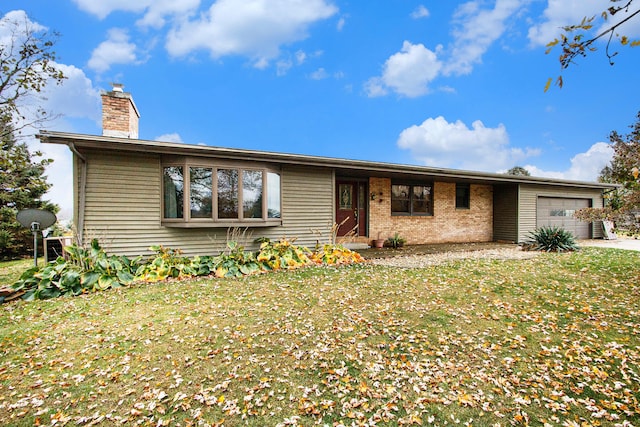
x,y
629,244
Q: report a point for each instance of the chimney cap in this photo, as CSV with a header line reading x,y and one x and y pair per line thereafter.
x,y
117,87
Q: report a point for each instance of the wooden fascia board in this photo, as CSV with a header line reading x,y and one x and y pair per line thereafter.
x,y
377,168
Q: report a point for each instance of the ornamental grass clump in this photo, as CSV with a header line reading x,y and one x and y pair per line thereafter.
x,y
552,239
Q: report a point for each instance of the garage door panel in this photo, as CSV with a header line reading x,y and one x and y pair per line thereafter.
x,y
558,212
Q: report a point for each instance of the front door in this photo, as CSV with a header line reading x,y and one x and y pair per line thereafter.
x,y
351,207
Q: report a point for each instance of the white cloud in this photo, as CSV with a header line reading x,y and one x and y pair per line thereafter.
x,y
155,11
437,142
406,73
170,137
584,166
319,74
420,12
115,50
76,97
283,66
103,8
301,56
252,28
158,10
476,30
560,13
15,24
341,23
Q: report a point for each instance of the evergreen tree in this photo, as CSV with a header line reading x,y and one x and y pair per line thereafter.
x,y
22,186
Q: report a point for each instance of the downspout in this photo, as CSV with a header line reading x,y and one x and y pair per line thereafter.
x,y
81,193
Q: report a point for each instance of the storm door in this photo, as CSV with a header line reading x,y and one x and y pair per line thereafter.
x,y
351,207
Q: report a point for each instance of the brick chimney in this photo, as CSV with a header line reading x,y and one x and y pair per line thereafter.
x,y
119,113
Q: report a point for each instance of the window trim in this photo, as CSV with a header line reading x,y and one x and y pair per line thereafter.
x,y
467,205
411,185
188,222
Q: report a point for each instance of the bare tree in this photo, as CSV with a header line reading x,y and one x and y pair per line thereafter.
x,y
27,65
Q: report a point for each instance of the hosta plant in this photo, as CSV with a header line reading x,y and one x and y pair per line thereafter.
x,y
166,263
89,269
281,254
336,255
552,239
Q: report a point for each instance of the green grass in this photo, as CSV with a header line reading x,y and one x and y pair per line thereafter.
x,y
552,340
10,271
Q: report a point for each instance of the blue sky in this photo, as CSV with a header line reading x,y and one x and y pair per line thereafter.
x,y
443,84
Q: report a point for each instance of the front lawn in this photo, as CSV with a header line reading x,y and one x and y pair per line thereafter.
x,y
553,340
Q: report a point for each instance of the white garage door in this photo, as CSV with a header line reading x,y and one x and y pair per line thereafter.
x,y
559,212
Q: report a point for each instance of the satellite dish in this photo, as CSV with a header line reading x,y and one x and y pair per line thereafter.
x,y
29,217
36,220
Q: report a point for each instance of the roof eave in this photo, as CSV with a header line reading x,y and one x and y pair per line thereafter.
x,y
159,147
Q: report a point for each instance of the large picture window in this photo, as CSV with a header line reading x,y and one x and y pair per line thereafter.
x,y
411,199
197,195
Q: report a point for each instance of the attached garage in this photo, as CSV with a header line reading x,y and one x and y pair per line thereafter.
x,y
521,208
558,212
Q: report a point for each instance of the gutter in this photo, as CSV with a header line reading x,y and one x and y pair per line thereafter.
x,y
169,148
82,190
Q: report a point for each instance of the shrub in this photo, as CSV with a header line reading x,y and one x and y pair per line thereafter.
x,y
395,241
552,239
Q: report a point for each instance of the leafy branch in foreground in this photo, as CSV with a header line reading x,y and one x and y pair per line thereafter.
x,y
574,41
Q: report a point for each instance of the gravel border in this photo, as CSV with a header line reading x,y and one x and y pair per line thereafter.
x,y
417,261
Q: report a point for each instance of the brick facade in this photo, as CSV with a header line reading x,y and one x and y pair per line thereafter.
x,y
447,225
119,115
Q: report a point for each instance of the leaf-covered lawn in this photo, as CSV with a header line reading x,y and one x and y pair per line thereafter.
x,y
553,340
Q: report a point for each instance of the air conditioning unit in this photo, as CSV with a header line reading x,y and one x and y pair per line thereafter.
x,y
53,247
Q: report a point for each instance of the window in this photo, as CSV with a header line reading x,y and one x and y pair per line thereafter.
x,y
562,212
411,199
173,192
228,193
463,196
273,195
204,195
200,185
252,194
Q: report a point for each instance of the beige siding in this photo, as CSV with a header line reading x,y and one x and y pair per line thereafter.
x,y
505,213
123,208
307,204
528,196
122,201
